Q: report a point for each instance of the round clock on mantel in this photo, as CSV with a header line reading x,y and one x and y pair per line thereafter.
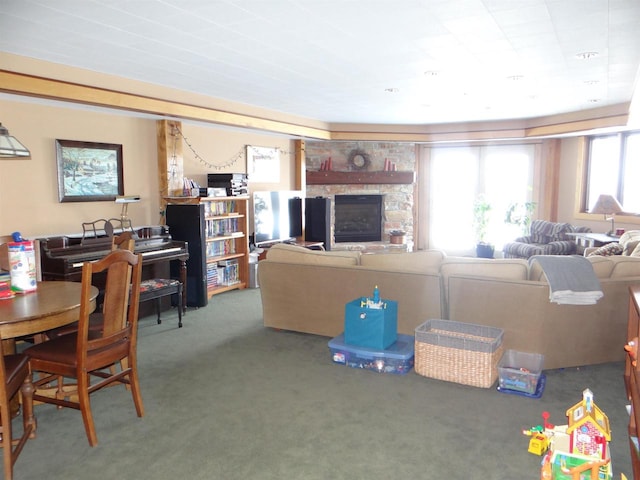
x,y
358,160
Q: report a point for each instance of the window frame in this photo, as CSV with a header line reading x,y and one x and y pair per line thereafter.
x,y
425,161
585,200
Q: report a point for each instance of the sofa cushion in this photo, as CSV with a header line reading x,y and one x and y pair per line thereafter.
x,y
282,252
499,268
629,241
505,268
422,261
602,267
625,266
608,249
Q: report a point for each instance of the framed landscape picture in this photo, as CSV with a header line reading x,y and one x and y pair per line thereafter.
x,y
88,171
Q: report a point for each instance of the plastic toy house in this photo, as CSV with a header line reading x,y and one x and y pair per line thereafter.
x,y
588,428
580,449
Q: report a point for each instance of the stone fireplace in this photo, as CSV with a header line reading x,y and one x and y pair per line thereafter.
x,y
397,197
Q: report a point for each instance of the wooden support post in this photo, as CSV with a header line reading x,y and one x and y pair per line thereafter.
x,y
301,176
170,161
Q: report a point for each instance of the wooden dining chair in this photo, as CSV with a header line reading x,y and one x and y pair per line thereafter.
x,y
14,378
124,241
89,354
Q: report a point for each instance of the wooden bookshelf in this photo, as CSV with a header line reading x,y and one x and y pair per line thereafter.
x,y
329,177
217,231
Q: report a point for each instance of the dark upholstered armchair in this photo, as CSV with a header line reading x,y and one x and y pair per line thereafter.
x,y
545,238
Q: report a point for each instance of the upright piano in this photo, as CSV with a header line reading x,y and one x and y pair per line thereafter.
x,y
61,257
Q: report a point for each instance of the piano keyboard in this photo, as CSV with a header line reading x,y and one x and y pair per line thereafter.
x,y
151,253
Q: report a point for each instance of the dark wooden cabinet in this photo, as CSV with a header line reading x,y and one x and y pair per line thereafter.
x,y
632,376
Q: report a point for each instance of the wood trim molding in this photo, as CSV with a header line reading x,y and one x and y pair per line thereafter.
x,y
41,87
22,84
327,177
578,126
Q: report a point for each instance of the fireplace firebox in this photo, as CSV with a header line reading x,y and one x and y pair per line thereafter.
x,y
358,218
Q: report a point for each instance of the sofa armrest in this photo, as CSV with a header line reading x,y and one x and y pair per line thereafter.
x,y
560,247
522,250
524,239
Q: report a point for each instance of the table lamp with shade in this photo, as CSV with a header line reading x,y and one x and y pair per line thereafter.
x,y
607,205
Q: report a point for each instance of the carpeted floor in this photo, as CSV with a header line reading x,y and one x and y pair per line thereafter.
x,y
226,398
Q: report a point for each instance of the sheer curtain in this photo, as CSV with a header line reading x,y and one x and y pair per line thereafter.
x,y
456,176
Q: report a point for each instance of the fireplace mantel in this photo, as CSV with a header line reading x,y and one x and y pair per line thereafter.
x,y
329,177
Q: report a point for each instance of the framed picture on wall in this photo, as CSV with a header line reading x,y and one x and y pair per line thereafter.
x,y
263,164
88,171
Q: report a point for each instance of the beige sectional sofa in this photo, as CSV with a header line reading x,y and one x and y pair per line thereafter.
x,y
306,291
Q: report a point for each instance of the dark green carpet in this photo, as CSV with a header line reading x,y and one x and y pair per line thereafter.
x,y
226,398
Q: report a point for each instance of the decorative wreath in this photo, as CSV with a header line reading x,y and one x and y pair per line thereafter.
x,y
358,160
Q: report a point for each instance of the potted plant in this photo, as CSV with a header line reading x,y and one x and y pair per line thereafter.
x,y
520,213
481,212
397,237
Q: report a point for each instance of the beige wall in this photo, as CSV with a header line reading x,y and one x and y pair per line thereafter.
x,y
29,188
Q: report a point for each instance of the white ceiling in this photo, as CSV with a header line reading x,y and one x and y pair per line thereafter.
x,y
335,60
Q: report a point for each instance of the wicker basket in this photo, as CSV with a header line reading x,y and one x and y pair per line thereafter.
x,y
458,352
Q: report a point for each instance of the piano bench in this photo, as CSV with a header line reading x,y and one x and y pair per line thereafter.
x,y
156,288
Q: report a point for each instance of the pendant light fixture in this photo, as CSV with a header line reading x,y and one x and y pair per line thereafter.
x,y
10,147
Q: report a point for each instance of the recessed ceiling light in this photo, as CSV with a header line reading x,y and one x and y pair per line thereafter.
x,y
392,90
586,55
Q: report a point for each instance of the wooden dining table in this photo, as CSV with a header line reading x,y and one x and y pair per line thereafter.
x,y
52,305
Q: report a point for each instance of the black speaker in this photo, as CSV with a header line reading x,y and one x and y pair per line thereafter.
x,y
317,216
295,217
187,223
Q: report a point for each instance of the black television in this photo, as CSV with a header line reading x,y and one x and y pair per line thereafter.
x,y
277,216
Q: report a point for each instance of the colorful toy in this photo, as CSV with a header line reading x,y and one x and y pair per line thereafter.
x,y
580,449
373,302
538,444
540,436
588,428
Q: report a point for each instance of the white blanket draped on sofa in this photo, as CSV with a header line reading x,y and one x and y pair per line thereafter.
x,y
571,279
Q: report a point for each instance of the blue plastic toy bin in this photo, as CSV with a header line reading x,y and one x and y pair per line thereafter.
x,y
397,358
520,371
